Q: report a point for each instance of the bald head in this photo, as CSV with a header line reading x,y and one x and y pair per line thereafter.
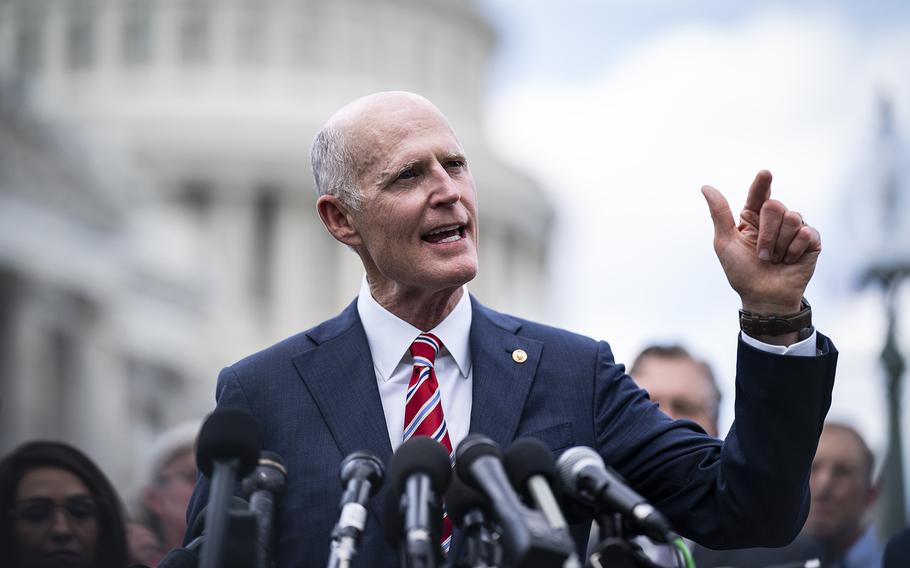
x,y
342,148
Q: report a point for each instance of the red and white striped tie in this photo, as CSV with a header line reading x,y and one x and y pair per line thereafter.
x,y
423,414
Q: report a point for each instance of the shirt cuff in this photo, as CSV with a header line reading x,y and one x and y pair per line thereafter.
x,y
804,348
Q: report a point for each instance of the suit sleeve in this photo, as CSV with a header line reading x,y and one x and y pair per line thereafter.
x,y
228,394
752,488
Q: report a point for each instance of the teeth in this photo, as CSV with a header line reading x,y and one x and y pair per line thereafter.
x,y
443,230
451,239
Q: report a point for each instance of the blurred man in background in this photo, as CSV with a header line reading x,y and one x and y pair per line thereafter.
x,y
843,493
167,484
685,388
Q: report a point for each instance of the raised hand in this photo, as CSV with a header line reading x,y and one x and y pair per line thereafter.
x,y
770,256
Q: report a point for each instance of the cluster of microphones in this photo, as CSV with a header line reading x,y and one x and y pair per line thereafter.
x,y
510,508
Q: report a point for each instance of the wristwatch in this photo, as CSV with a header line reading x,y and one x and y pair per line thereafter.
x,y
776,325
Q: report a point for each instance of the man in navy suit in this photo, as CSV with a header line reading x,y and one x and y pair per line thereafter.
x,y
396,187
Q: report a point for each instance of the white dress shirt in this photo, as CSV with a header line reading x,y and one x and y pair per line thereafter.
x,y
390,338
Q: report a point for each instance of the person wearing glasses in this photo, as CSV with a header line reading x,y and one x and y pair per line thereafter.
x,y
60,510
165,487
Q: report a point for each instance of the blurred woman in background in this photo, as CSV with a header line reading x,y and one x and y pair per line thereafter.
x,y
59,510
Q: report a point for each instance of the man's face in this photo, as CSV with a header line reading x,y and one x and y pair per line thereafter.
x,y
56,520
840,487
681,388
169,495
417,227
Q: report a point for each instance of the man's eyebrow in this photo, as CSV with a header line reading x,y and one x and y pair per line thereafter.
x,y
456,155
387,173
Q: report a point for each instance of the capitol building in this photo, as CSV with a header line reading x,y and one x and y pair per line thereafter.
x,y
157,209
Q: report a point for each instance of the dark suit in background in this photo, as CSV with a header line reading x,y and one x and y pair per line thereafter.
x,y
897,552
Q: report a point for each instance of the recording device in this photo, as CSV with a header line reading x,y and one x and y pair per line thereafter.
x,y
419,473
586,478
469,510
527,538
532,471
240,546
264,486
361,475
227,449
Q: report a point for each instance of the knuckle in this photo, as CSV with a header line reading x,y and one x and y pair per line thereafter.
x,y
773,206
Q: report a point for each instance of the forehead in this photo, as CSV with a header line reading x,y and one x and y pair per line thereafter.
x,y
48,481
182,460
840,446
391,133
678,376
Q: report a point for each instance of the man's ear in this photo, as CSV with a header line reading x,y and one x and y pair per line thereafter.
x,y
338,220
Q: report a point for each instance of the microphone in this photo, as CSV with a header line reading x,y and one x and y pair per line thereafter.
x,y
419,471
470,512
527,538
532,470
588,479
361,475
267,482
227,449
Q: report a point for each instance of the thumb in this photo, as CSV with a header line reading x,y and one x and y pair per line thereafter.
x,y
720,212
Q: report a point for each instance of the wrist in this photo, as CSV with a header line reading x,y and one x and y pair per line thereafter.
x,y
781,328
772,308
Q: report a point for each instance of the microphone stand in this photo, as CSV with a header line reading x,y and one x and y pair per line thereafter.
x,y
616,550
478,547
419,549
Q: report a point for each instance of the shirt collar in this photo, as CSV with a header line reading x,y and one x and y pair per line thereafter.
x,y
389,336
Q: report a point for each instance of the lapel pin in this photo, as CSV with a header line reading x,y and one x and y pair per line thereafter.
x,y
519,356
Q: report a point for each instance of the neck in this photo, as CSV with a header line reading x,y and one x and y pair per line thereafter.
x,y
424,310
839,545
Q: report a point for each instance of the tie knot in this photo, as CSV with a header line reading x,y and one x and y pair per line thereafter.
x,y
424,349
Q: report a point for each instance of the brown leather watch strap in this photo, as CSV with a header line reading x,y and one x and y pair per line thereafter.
x,y
776,325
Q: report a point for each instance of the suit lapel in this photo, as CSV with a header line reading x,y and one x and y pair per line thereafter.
x,y
501,384
339,374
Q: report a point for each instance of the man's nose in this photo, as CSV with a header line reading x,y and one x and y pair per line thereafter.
x,y
820,480
444,189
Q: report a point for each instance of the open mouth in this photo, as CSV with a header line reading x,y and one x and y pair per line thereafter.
x,y
447,234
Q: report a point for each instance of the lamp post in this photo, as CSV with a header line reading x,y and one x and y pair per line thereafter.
x,y
886,265
892,501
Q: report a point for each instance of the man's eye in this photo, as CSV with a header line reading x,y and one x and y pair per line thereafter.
x,y
407,174
455,163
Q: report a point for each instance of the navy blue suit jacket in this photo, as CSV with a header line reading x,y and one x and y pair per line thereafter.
x,y
316,399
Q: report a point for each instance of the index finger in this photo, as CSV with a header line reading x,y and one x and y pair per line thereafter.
x,y
759,192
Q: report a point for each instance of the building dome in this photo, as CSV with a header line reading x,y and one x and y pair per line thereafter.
x,y
216,103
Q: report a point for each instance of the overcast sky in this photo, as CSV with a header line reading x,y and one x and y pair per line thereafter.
x,y
624,110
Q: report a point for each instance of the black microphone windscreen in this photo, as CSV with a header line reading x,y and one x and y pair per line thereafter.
x,y
424,455
462,499
358,464
528,457
228,433
199,524
472,448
